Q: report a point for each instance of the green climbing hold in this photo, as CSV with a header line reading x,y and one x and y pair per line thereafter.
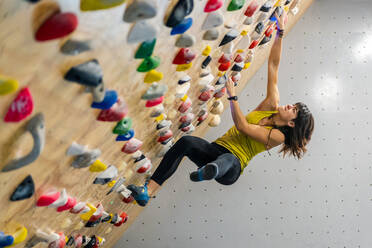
x,y
145,50
148,64
235,5
123,126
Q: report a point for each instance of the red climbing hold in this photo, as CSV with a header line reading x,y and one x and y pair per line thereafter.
x,y
224,66
213,5
225,58
251,8
165,136
154,102
47,198
21,107
220,93
253,44
146,167
57,26
184,56
269,30
185,106
239,58
71,202
124,218
116,113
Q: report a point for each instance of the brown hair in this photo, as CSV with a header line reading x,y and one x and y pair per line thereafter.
x,y
297,137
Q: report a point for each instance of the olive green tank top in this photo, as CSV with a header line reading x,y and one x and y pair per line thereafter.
x,y
241,145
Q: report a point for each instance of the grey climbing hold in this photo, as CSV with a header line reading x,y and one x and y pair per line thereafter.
x,y
163,124
248,21
141,31
263,16
88,73
140,10
24,190
213,20
86,159
222,80
74,47
266,6
106,176
259,27
98,92
37,129
211,34
185,40
34,240
116,186
154,91
76,149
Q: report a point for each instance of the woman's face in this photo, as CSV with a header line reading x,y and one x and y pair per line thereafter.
x,y
288,112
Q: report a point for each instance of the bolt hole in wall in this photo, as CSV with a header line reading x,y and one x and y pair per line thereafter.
x,y
322,200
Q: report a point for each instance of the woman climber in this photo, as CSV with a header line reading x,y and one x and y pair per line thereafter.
x,y
224,160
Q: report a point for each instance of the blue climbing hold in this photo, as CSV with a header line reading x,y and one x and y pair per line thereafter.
x,y
125,137
182,27
111,97
6,240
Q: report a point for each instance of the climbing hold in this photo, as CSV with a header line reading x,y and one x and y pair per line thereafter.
x,y
164,149
253,44
206,80
116,113
262,17
278,11
7,85
19,236
220,93
207,93
182,89
235,5
24,190
125,137
188,129
71,202
266,6
21,106
62,200
88,73
222,80
86,159
6,240
238,66
185,105
213,20
184,79
213,5
239,58
249,57
259,28
184,124
86,216
228,48
236,76
157,110
207,50
153,76
97,166
74,47
184,67
202,115
91,5
57,26
106,176
97,214
118,186
246,65
132,146
211,34
163,124
185,40
248,21
148,64
78,208
178,13
205,72
184,56
140,10
111,97
76,149
182,27
231,35
48,198
37,129
265,40
164,135
124,218
206,61
98,92
154,102
141,31
123,126
145,49
269,30
154,91
187,118
244,42
224,66
214,121
146,166
252,7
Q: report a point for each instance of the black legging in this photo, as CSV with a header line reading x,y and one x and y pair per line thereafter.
x,y
200,152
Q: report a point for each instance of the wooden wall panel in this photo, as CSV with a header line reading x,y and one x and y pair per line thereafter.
x,y
66,107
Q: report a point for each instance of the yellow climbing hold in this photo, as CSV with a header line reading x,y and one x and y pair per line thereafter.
x,y
86,216
153,76
19,236
277,4
97,166
111,184
7,85
286,8
244,33
184,67
240,51
111,215
90,5
184,98
207,50
160,118
246,65
221,73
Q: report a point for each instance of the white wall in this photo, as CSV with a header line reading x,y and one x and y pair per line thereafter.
x,y
323,200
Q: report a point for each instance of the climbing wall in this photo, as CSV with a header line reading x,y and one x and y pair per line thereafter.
x,y
66,106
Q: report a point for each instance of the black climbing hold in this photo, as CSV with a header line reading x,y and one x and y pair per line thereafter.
x,y
88,73
92,242
259,27
179,12
222,79
114,218
206,61
184,124
70,241
265,40
107,218
140,158
93,223
24,190
238,66
231,35
74,47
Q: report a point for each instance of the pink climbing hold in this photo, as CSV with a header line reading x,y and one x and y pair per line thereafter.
x,y
57,26
187,118
213,5
21,107
116,113
185,106
154,102
71,202
132,146
205,96
47,198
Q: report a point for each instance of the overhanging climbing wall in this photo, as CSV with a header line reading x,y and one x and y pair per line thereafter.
x,y
40,66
